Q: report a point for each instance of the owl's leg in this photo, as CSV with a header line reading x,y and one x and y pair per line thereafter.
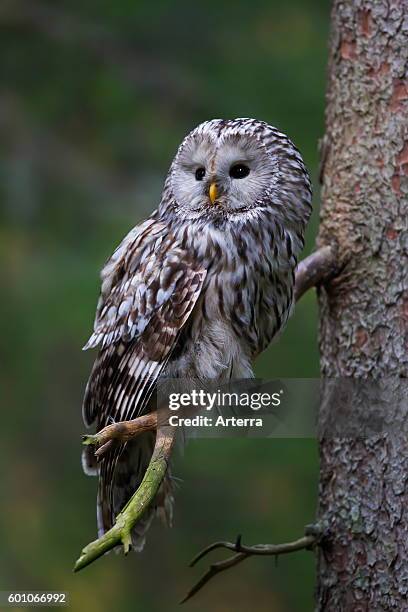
x,y
120,432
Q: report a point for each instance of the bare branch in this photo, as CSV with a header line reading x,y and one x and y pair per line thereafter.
x,y
307,542
213,570
319,267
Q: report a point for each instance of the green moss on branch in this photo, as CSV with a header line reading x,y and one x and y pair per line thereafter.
x,y
136,506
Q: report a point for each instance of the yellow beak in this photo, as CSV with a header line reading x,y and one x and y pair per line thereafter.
x,y
213,192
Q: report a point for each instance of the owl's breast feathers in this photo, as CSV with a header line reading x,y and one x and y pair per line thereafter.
x,y
238,279
185,301
250,275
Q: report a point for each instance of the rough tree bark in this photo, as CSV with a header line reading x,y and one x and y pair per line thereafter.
x,y
364,311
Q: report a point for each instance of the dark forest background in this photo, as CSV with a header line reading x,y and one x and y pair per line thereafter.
x,y
95,97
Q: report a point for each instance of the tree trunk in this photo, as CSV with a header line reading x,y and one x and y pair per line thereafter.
x,y
363,562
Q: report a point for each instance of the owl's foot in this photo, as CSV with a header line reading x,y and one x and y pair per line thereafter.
x,y
120,432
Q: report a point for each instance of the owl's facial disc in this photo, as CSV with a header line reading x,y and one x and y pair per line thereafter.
x,y
229,173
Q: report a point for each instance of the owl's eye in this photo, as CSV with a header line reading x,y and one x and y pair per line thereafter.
x,y
239,171
200,174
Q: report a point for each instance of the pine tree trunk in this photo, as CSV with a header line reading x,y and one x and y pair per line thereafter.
x,y
363,563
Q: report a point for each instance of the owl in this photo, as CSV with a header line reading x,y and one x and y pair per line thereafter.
x,y
196,291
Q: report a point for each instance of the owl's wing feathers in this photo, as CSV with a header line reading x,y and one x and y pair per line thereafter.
x,y
149,288
123,304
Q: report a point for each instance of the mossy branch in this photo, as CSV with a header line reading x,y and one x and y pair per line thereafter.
x,y
137,505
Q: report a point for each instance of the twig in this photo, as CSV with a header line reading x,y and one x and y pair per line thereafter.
x,y
137,505
307,542
319,267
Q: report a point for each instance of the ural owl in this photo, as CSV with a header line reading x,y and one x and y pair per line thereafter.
x,y
197,290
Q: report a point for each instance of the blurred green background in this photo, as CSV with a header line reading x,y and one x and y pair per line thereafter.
x,y
95,98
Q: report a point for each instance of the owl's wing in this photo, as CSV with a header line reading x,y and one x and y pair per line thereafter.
x,y
128,281
149,289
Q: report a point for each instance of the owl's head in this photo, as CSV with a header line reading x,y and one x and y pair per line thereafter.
x,y
228,167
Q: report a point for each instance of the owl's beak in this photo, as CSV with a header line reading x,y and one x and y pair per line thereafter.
x,y
213,192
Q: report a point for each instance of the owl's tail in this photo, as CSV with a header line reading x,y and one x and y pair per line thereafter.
x,y
120,474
